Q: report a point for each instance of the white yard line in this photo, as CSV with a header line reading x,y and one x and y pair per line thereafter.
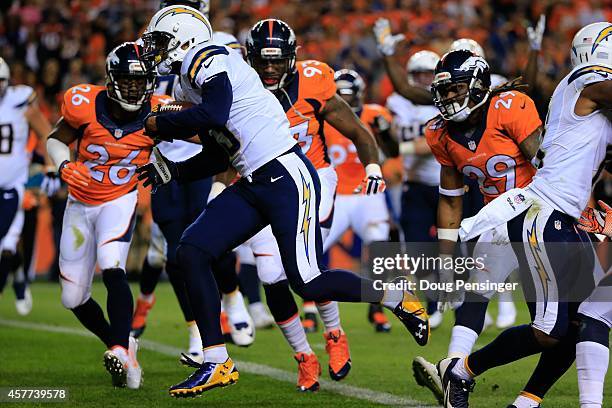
x,y
244,366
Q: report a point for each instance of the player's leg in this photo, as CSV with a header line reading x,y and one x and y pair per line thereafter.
x,y
228,220
77,260
546,277
11,253
593,347
283,307
9,205
250,286
329,182
294,223
369,217
152,267
418,221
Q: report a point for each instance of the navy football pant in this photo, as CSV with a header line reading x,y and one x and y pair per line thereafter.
x,y
285,194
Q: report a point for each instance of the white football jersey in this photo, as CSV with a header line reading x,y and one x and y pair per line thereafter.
x,y
257,130
409,123
14,132
574,146
180,150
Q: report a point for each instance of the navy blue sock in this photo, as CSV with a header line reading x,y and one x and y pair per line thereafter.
x,y
119,305
6,265
553,363
511,345
203,293
280,301
341,286
91,316
177,279
471,313
149,277
249,283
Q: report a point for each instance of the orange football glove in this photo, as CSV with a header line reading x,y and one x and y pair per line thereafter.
x,y
75,174
373,183
596,221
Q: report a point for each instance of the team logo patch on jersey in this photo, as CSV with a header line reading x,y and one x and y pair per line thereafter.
x,y
558,225
472,145
118,133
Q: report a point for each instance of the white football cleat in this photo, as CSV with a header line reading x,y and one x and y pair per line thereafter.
x,y
134,372
241,323
115,361
261,317
506,315
24,306
435,320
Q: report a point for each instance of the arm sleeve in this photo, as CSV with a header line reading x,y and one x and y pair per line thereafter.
x,y
210,161
522,119
212,112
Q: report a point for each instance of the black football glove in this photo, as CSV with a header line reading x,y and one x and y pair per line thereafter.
x,y
159,172
51,183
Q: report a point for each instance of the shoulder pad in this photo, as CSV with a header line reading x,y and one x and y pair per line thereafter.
x,y
79,104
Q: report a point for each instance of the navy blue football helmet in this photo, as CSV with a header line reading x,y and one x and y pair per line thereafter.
x,y
129,80
460,77
350,84
272,40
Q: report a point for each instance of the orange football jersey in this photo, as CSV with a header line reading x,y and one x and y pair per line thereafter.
x,y
491,155
312,86
112,152
343,153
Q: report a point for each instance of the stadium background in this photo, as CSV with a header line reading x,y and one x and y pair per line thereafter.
x,y
52,46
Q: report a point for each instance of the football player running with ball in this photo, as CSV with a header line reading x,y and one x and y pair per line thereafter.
x,y
278,186
107,124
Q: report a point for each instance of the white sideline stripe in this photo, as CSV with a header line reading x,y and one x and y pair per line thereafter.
x,y
245,366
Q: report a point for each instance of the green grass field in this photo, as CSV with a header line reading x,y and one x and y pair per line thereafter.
x,y
49,348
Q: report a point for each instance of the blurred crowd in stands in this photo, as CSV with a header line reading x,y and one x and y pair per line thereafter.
x,y
53,45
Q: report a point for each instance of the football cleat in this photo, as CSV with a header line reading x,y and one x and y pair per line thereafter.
x,y
506,315
260,315
139,321
114,362
134,372
377,317
426,375
339,356
225,327
456,390
413,315
195,344
206,377
309,371
435,319
242,328
24,306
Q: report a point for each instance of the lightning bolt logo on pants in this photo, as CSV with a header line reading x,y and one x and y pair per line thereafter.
x,y
306,193
536,251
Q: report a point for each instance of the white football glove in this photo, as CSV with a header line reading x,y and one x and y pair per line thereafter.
x,y
385,40
448,300
51,183
535,34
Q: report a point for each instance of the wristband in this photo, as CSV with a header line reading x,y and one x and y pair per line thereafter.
x,y
450,234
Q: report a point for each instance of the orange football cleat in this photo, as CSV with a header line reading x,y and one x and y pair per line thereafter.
x,y
139,321
309,371
339,356
225,326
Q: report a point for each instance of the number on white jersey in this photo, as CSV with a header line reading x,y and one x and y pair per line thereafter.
x,y
6,138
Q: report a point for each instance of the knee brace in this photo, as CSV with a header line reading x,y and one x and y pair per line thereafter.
x,y
593,330
280,301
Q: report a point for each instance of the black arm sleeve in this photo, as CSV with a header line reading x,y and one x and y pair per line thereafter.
x,y
212,112
210,161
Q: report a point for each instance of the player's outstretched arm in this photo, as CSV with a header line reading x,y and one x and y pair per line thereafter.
x,y
338,113
535,35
